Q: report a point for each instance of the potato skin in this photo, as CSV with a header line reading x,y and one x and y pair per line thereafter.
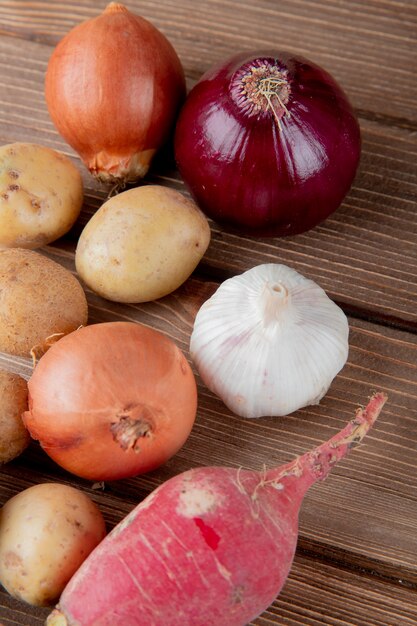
x,y
142,244
41,195
38,298
46,532
14,437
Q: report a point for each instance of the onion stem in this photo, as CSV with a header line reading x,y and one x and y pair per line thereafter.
x,y
128,431
268,88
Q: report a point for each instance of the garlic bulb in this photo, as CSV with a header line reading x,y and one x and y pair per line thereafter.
x,y
269,341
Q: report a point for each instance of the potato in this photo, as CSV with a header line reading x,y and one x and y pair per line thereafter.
x,y
46,532
14,437
38,298
142,244
41,195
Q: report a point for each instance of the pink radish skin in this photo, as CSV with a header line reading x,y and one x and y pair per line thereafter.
x,y
210,547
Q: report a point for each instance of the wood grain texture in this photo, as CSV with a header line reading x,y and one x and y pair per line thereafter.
x,y
358,528
365,45
355,599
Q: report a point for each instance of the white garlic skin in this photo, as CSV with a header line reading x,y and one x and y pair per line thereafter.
x,y
269,341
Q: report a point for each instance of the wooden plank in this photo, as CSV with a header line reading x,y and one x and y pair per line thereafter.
x,y
314,594
364,256
334,597
367,46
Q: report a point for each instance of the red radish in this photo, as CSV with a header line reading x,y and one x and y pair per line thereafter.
x,y
210,547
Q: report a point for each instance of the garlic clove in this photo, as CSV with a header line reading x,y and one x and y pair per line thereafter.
x,y
269,341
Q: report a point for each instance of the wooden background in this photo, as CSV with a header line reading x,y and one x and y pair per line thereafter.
x,y
356,562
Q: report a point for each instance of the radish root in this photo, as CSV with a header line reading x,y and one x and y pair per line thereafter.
x,y
320,461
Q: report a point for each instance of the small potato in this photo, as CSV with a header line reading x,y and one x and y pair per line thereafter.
x,y
38,298
14,437
46,532
142,244
41,194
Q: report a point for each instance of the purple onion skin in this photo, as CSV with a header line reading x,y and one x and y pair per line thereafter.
x,y
247,173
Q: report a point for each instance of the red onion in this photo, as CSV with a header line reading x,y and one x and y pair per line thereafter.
x,y
267,142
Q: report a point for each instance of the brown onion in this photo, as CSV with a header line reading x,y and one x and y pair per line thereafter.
x,y
112,400
113,88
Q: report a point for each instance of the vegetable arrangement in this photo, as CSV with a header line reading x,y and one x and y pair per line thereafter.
x,y
216,545
259,142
